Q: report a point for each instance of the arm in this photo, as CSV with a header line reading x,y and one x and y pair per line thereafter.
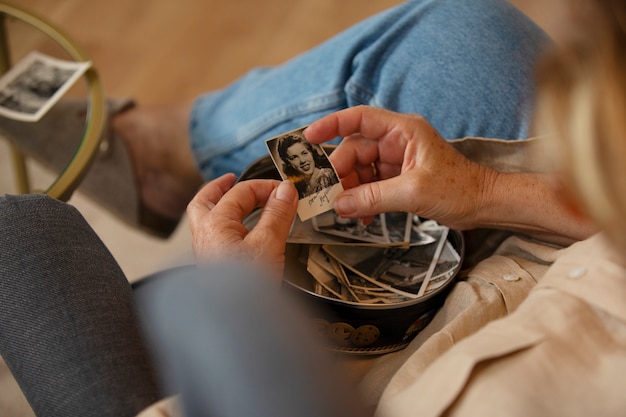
x,y
397,162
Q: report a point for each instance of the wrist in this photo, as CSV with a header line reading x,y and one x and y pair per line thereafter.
x,y
507,201
527,203
487,203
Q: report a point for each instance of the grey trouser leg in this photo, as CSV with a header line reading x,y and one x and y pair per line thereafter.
x,y
68,328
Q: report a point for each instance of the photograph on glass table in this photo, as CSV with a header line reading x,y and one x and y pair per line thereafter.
x,y
33,85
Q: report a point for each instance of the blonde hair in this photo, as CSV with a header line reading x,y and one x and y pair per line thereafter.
x,y
581,99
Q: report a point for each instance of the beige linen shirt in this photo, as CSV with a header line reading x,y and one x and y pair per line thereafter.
x,y
561,352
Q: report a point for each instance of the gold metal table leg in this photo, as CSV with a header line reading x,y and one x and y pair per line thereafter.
x,y
21,173
19,161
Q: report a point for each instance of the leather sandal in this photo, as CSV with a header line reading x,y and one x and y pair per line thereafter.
x,y
110,181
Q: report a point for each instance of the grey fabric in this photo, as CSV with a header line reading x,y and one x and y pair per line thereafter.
x,y
68,328
233,346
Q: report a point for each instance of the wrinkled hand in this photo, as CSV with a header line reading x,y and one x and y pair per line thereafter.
x,y
216,217
397,162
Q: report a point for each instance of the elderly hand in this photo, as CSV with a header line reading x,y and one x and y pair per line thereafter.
x,y
397,162
216,217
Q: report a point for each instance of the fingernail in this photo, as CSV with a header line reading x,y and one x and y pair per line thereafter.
x,y
286,191
346,205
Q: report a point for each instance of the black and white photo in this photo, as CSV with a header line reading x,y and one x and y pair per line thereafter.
x,y
31,87
307,166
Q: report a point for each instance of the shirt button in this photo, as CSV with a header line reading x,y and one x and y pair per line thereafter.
x,y
577,272
511,277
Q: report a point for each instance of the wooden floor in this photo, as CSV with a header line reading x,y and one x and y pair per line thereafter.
x,y
159,51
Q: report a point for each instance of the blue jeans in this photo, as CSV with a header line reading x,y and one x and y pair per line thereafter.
x,y
467,66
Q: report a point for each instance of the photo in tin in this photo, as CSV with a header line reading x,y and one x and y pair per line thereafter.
x,y
410,272
383,275
385,228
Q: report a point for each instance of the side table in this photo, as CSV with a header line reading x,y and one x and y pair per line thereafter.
x,y
68,180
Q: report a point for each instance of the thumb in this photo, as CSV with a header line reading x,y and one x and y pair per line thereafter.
x,y
278,213
373,198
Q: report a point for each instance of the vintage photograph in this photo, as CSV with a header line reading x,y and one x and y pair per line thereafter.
x,y
308,167
376,274
385,228
411,272
31,87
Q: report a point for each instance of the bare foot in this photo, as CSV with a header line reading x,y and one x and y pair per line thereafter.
x,y
157,140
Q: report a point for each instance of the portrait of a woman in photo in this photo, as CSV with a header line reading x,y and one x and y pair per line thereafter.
x,y
305,165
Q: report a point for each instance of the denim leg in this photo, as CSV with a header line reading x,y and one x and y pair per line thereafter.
x,y
68,328
467,66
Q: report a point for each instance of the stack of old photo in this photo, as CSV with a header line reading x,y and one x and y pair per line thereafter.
x,y
395,258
